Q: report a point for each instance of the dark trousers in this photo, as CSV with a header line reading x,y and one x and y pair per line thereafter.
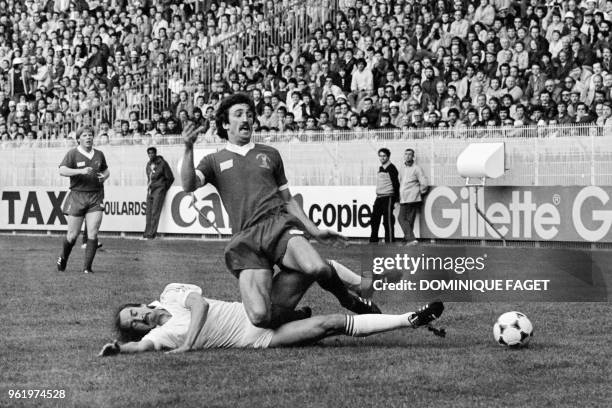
x,y
155,203
383,209
406,219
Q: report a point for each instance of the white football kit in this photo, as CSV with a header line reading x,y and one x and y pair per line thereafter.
x,y
227,324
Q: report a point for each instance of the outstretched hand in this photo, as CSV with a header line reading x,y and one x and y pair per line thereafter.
x,y
109,349
329,237
190,133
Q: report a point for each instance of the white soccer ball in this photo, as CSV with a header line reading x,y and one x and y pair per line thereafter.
x,y
513,329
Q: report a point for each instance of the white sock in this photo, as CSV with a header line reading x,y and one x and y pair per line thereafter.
x,y
364,325
350,279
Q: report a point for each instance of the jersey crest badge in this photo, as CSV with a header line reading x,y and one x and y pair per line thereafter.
x,y
228,164
264,160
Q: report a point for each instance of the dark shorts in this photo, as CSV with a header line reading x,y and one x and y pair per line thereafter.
x,y
263,245
79,203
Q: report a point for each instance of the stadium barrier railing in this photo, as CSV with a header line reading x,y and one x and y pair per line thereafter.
x,y
562,155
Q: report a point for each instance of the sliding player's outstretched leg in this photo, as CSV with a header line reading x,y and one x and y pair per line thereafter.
x,y
319,327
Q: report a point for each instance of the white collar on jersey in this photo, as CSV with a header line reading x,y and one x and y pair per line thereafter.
x,y
89,155
241,150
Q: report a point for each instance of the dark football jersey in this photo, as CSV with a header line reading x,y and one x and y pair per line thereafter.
x,y
74,159
248,184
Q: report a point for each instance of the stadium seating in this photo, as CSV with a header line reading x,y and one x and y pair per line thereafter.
x,y
138,71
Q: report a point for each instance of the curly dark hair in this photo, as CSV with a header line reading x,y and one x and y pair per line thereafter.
x,y
125,335
384,150
222,115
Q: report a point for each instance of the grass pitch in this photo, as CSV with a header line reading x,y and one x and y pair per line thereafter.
x,y
54,324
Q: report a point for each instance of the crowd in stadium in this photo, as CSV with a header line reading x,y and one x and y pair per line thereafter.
x,y
373,65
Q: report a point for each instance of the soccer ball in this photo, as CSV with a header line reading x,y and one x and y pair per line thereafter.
x,y
513,329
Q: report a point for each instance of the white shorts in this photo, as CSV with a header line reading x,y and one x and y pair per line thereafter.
x,y
252,336
257,338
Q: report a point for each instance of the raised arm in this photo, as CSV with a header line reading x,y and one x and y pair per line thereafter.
x,y
199,312
189,179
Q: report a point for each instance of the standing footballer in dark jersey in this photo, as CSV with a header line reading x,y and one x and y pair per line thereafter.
x,y
87,170
268,224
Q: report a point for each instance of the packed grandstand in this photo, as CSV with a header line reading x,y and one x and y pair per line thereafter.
x,y
140,70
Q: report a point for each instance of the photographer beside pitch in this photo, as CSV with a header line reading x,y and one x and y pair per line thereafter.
x,y
183,320
268,224
88,171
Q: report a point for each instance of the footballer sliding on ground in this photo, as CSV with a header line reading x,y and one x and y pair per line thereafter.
x,y
184,320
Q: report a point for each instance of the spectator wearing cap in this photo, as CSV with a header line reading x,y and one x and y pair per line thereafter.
x,y
267,97
395,115
17,76
12,111
588,27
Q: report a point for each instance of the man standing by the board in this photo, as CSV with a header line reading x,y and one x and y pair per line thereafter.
x,y
387,191
413,185
159,181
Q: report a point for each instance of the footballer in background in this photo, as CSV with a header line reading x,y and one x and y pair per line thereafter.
x,y
87,169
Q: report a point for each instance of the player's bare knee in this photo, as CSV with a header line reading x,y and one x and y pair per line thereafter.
x,y
318,270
